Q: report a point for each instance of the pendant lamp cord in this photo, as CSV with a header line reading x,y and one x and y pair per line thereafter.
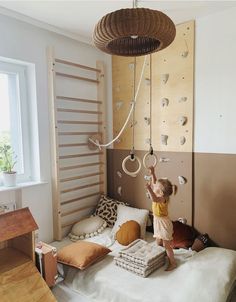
x,y
150,96
133,115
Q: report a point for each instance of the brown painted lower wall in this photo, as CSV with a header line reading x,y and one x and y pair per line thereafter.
x,y
215,197
133,189
208,197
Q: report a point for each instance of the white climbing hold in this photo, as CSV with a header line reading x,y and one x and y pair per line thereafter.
x,y
164,139
182,180
182,120
182,220
133,124
147,177
164,159
119,174
183,99
164,78
119,105
147,141
164,102
119,190
147,82
184,54
147,120
131,66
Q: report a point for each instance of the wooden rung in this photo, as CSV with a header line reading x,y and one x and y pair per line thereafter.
x,y
79,198
66,98
81,176
81,187
78,210
79,155
77,65
79,122
80,166
71,76
72,145
78,111
73,222
78,133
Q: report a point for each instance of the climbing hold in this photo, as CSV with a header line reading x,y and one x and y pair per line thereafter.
x,y
183,99
119,190
131,66
164,139
147,120
182,120
182,180
182,140
184,54
164,102
164,159
119,105
147,81
164,78
119,174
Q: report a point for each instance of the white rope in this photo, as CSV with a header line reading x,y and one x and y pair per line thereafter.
x,y
97,143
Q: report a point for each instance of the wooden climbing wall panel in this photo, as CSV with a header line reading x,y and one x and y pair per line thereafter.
x,y
171,94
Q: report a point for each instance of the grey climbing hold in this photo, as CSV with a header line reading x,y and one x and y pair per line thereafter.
x,y
164,102
164,139
182,140
183,99
147,120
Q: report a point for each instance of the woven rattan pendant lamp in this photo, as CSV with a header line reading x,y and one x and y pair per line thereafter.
x,y
133,32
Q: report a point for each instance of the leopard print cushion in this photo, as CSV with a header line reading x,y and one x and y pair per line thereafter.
x,y
107,209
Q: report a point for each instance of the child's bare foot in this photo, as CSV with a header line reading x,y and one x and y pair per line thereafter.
x,y
171,267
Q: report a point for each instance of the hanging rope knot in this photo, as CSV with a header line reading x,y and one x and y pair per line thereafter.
x,y
151,150
132,154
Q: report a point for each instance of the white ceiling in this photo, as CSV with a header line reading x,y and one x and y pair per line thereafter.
x,y
78,18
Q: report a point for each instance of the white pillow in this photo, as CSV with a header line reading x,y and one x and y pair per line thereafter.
x,y
87,228
125,213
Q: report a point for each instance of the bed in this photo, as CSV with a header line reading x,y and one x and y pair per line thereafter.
x,y
208,275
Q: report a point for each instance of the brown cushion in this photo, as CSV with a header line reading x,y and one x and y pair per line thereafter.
x,y
184,235
128,232
81,254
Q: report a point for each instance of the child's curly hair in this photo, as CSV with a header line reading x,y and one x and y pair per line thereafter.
x,y
168,188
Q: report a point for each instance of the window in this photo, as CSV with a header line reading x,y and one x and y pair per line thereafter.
x,y
14,119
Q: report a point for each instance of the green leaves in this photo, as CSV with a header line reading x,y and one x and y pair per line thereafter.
x,y
7,158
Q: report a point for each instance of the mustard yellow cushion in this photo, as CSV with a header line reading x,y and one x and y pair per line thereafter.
x,y
128,232
81,254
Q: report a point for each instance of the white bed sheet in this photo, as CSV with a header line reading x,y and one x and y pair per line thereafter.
x,y
206,276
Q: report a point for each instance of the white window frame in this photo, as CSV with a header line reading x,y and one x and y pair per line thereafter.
x,y
20,114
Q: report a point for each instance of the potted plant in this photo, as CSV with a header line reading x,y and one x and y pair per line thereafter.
x,y
7,163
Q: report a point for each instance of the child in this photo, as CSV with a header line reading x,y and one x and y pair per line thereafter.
x,y
160,190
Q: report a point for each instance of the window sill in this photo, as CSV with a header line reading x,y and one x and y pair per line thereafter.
x,y
22,186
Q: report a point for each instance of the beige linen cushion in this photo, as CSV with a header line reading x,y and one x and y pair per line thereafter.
x,y
87,228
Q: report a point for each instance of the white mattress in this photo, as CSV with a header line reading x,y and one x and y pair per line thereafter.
x,y
206,276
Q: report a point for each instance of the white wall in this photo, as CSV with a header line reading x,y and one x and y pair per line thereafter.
x,y
22,41
215,83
